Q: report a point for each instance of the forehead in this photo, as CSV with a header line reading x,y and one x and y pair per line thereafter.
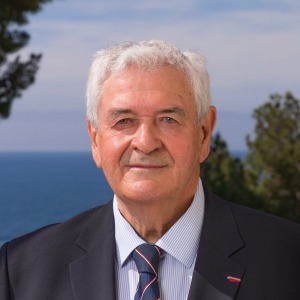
x,y
165,79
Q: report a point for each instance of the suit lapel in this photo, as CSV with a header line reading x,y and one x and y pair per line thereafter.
x,y
202,289
216,275
93,272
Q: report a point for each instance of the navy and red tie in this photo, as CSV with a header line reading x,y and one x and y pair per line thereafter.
x,y
146,258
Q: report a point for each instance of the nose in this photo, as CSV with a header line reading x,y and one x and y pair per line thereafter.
x,y
146,138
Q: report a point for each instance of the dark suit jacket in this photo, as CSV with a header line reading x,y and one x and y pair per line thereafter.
x,y
75,259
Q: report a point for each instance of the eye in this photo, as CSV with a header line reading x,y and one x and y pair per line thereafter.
x,y
124,121
168,120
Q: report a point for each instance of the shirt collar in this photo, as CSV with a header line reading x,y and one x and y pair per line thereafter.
x,y
186,231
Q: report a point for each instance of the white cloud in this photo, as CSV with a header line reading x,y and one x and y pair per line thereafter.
x,y
250,54
290,3
238,57
44,131
107,7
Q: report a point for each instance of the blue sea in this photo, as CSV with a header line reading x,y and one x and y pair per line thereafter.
x,y
37,189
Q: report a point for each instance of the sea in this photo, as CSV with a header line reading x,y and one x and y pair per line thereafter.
x,y
38,189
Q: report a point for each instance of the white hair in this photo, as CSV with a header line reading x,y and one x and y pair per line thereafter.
x,y
147,55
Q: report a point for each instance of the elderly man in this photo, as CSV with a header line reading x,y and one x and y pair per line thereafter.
x,y
164,235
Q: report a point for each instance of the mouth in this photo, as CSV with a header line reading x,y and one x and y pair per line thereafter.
x,y
146,167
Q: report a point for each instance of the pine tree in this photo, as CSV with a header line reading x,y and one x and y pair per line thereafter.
x,y
273,161
15,75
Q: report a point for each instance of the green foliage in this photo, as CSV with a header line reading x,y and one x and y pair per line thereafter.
x,y
273,161
15,75
225,175
268,179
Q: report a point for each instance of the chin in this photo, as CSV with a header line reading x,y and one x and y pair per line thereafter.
x,y
144,191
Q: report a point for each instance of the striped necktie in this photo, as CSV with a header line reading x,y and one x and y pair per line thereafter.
x,y
146,258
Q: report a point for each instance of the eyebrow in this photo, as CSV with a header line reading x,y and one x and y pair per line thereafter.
x,y
173,110
116,112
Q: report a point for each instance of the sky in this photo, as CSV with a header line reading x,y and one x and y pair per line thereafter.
x,y
252,50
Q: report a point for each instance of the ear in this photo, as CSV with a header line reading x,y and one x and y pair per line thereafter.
x,y
94,137
207,126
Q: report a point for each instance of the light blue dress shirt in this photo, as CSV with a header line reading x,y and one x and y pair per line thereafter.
x,y
180,244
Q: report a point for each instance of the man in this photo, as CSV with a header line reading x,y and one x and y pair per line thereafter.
x,y
150,122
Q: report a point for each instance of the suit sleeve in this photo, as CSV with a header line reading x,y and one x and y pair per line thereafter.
x,y
4,278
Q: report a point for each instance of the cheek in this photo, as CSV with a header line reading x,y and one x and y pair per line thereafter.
x,y
113,147
184,150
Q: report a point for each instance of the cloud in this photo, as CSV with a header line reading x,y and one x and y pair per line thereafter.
x,y
77,9
250,53
243,51
44,131
288,3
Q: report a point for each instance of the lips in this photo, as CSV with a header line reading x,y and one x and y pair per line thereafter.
x,y
138,166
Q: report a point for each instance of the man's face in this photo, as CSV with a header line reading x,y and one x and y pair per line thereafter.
x,y
148,142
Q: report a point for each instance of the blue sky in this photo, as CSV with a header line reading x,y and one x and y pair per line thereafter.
x,y
252,49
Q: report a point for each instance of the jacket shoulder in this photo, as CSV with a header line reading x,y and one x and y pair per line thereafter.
x,y
54,236
265,223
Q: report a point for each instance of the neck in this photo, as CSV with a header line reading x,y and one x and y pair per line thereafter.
x,y
152,220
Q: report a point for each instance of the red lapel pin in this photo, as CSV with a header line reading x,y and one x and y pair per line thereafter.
x,y
233,279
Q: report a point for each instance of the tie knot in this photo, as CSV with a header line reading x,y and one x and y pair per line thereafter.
x,y
146,258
